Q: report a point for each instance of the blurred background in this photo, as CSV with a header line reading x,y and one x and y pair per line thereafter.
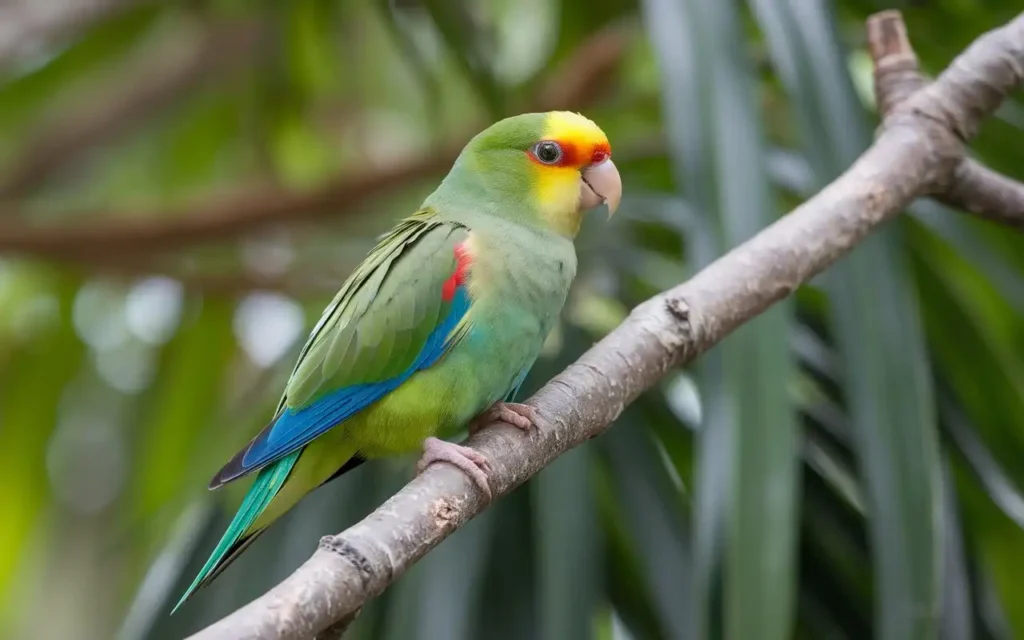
x,y
184,185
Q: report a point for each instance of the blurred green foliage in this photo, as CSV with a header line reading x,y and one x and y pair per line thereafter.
x,y
848,465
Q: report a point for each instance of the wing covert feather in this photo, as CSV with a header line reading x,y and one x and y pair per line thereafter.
x,y
388,320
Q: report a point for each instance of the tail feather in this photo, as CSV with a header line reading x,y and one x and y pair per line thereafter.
x,y
237,537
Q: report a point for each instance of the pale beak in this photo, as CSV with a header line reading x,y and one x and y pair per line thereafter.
x,y
601,184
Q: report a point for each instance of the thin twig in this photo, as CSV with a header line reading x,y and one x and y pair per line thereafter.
x,y
913,154
986,193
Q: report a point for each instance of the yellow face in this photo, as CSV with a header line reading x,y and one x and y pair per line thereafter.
x,y
571,144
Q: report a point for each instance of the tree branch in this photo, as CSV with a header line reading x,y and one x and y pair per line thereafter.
x,y
971,186
914,154
576,85
986,193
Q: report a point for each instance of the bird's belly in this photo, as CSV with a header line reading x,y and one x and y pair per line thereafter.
x,y
441,400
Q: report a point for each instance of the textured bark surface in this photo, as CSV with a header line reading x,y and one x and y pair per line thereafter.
x,y
916,153
987,194
971,86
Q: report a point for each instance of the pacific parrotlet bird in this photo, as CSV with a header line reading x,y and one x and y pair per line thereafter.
x,y
438,326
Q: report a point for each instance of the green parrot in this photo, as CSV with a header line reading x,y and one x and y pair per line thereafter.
x,y
438,326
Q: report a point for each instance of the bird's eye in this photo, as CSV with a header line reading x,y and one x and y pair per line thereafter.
x,y
548,152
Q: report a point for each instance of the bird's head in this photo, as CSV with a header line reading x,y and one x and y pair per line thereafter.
x,y
546,169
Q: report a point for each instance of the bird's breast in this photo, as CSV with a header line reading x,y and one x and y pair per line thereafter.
x,y
526,273
518,288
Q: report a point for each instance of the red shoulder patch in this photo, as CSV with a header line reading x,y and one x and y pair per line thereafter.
x,y
462,262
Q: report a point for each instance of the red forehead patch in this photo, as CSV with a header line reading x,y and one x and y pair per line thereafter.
x,y
601,153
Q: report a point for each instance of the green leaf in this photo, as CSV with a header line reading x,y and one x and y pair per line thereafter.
x,y
33,376
988,472
877,331
969,326
748,460
975,250
995,542
650,510
22,96
568,547
507,602
402,36
157,588
453,579
835,562
466,38
957,609
671,33
625,582
310,45
188,389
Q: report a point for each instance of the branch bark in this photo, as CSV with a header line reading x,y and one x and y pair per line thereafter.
x,y
986,193
971,186
916,152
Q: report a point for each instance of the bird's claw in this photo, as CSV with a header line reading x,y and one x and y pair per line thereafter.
x,y
521,416
473,463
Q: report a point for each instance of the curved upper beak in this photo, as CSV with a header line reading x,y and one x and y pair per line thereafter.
x,y
601,184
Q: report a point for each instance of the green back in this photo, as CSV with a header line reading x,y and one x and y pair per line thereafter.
x,y
379,321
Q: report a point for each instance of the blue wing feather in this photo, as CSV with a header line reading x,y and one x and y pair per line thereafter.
x,y
294,429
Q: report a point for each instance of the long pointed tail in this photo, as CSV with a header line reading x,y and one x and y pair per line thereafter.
x,y
237,536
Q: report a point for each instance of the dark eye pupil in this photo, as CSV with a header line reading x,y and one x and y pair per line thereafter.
x,y
548,152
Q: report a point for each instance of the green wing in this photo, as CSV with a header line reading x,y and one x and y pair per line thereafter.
x,y
389,320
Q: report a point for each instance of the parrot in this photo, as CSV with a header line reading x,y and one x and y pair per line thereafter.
x,y
437,328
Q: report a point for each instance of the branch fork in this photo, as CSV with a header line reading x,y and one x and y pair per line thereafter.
x,y
901,88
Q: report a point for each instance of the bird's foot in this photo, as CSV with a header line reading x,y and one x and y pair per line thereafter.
x,y
519,415
473,463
